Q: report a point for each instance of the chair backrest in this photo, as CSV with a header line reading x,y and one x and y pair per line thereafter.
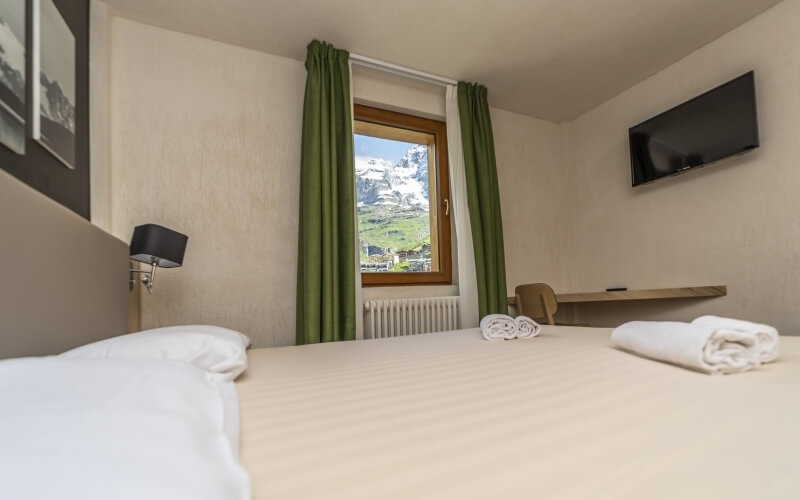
x,y
537,301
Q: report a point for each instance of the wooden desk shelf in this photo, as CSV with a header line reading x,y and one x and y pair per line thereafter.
x,y
655,293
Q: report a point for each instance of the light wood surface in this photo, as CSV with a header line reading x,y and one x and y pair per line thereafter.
x,y
647,294
536,300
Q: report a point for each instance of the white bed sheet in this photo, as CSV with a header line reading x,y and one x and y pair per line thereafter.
x,y
563,415
100,429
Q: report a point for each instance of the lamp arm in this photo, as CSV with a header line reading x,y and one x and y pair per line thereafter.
x,y
148,279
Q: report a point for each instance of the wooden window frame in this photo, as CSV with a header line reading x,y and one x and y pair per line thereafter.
x,y
440,209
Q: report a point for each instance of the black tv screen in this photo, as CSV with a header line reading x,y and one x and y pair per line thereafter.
x,y
720,123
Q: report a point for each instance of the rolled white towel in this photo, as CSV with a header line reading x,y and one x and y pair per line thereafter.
x,y
526,327
702,348
767,336
498,327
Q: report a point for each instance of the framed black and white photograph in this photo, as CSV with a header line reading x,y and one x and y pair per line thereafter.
x,y
12,75
54,124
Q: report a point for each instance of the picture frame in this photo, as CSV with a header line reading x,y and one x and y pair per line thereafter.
x,y
13,75
54,86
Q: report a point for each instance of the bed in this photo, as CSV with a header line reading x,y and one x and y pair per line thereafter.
x,y
150,415
563,415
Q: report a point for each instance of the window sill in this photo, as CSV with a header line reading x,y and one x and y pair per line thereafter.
x,y
405,279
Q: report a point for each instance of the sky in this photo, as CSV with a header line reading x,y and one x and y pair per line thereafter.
x,y
385,149
58,49
13,14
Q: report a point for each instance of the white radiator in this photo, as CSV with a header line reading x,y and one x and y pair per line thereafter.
x,y
394,318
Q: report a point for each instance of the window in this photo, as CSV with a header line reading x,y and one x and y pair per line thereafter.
x,y
402,195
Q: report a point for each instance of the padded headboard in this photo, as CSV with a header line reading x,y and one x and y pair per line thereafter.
x,y
63,281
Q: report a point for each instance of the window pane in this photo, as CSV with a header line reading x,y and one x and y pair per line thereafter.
x,y
392,192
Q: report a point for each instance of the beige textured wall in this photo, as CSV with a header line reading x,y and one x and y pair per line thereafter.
x,y
733,223
532,185
100,113
206,140
386,90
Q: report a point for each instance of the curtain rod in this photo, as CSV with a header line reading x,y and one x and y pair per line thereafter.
x,y
369,62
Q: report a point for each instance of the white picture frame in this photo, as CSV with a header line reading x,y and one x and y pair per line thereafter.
x,y
54,86
12,75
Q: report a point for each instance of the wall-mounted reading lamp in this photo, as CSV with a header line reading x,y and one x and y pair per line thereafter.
x,y
158,246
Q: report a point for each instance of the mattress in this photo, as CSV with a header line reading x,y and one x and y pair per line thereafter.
x,y
560,416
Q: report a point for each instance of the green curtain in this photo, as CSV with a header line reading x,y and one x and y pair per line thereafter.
x,y
483,198
326,254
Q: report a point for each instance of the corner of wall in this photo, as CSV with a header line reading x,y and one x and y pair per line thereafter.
x,y
571,195
99,111
729,224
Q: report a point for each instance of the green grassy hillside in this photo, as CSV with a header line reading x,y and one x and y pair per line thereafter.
x,y
388,227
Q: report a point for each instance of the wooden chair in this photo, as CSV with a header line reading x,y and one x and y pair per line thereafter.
x,y
537,301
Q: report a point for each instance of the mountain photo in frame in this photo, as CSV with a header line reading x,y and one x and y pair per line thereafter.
x,y
54,88
12,75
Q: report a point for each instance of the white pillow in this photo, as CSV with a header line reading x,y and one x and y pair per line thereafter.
x,y
119,429
219,351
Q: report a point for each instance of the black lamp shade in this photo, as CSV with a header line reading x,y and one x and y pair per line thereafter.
x,y
154,244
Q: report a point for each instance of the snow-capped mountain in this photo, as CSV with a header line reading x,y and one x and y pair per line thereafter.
x,y
403,184
12,61
55,105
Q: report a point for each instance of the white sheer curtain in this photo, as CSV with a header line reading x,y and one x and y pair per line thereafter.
x,y
467,282
359,294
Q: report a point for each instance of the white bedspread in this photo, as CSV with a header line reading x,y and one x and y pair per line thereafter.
x,y
103,429
560,416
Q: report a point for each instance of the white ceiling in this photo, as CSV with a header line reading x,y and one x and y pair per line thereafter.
x,y
552,59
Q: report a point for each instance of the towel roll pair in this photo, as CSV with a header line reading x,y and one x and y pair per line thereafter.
x,y
710,344
502,327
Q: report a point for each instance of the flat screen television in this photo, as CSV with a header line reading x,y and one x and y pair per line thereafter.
x,y
712,126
